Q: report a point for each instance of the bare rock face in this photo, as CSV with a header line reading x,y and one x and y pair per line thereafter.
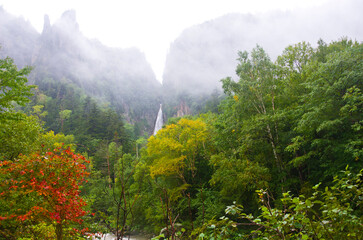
x,y
120,78
183,109
70,18
17,38
206,53
46,25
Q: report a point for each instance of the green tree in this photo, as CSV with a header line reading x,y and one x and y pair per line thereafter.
x,y
248,130
123,195
64,115
178,163
332,213
18,136
256,90
13,86
327,135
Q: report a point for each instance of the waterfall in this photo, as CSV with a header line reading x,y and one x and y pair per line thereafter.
x,y
159,121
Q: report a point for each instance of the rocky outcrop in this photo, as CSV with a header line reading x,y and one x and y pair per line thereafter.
x,y
206,53
116,77
183,109
17,38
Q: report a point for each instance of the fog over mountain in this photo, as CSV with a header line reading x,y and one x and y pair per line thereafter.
x,y
197,60
206,53
119,77
17,38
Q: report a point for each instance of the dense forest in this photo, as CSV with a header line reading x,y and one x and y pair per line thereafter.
x,y
278,156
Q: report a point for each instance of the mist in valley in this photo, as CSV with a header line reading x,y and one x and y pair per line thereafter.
x,y
206,53
196,61
118,78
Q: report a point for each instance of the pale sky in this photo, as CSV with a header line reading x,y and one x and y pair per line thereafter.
x,y
150,25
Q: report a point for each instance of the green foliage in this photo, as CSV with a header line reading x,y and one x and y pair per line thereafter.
x,y
284,126
63,107
177,163
51,141
175,148
332,213
19,133
249,129
13,88
19,136
247,176
324,130
287,125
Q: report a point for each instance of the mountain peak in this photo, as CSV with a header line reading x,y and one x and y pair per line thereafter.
x,y
69,15
46,24
69,19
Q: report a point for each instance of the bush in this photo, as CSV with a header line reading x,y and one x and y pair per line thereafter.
x,y
332,213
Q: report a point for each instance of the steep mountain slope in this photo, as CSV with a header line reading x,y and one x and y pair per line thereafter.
x,y
120,78
206,53
17,38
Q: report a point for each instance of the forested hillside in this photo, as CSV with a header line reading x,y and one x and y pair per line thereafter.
x,y
205,53
286,129
65,61
280,158
263,136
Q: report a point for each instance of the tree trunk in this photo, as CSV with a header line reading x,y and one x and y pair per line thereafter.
x,y
201,195
108,169
59,231
190,211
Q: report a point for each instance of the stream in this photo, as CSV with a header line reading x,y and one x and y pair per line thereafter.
x,y
110,236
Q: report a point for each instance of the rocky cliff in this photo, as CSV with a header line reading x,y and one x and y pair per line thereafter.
x,y
204,54
120,78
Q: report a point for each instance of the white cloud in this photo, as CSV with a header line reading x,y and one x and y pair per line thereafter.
x,y
149,25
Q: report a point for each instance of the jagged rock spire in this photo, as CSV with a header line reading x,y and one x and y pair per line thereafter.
x,y
46,25
69,17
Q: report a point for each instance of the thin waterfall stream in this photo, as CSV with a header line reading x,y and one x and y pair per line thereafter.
x,y
159,121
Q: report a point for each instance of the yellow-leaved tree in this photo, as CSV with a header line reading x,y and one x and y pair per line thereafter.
x,y
175,148
174,154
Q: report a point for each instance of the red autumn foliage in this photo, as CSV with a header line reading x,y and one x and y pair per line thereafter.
x,y
48,186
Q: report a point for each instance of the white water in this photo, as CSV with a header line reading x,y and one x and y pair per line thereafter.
x,y
159,121
110,236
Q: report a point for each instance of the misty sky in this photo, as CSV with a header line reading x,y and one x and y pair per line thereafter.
x,y
150,25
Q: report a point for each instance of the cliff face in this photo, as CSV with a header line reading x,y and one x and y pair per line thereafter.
x,y
121,78
64,51
183,109
17,38
204,54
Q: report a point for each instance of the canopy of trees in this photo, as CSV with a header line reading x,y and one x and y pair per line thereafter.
x,y
279,158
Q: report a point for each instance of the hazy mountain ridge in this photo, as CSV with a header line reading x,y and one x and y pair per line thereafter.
x,y
205,53
17,41
123,73
197,59
121,77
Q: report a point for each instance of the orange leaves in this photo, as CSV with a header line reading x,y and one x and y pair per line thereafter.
x,y
49,183
22,218
4,163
